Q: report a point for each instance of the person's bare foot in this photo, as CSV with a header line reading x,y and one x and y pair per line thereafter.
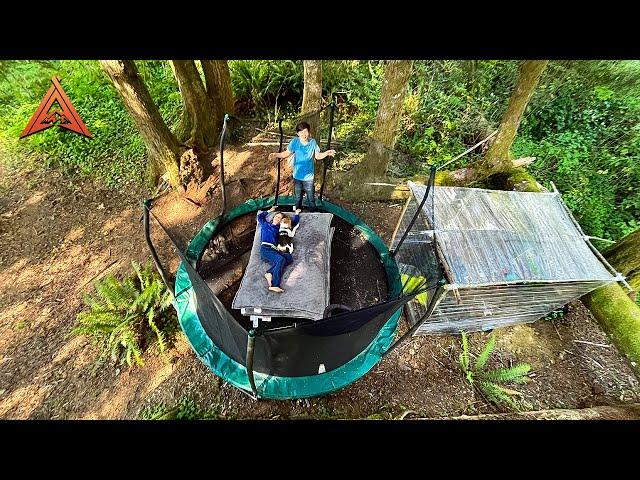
x,y
269,277
276,289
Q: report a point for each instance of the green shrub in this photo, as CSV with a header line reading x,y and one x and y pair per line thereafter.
x,y
488,381
126,318
260,85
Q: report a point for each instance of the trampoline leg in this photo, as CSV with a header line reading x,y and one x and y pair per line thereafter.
x,y
250,343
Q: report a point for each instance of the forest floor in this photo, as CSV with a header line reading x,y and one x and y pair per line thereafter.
x,y
60,235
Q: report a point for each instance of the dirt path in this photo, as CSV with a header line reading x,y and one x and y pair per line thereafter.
x,y
58,236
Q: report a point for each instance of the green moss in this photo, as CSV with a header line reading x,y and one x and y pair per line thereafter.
x,y
625,257
521,180
619,318
443,178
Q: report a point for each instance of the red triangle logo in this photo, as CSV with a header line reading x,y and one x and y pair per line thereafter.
x,y
62,112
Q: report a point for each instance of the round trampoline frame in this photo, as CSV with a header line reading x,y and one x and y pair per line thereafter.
x,y
270,386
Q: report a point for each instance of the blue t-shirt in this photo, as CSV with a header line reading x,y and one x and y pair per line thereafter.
x,y
303,158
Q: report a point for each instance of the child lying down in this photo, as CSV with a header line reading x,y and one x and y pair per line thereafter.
x,y
269,251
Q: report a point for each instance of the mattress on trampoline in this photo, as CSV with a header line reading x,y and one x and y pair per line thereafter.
x,y
305,281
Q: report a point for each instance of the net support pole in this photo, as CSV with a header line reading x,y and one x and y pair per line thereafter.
x,y
438,295
432,177
251,340
332,108
156,260
278,161
222,137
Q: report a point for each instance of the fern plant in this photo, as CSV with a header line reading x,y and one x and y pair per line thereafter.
x,y
489,381
128,317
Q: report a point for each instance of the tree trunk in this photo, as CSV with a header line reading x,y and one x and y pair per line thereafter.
x,y
383,138
354,184
163,147
472,78
619,317
624,256
197,105
218,82
498,158
312,95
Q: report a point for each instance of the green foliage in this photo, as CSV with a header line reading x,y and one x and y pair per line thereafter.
x,y
260,85
185,409
489,381
116,153
587,141
125,318
582,123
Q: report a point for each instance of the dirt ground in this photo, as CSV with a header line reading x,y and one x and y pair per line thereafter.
x,y
59,235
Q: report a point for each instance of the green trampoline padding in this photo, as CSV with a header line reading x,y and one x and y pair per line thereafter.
x,y
269,386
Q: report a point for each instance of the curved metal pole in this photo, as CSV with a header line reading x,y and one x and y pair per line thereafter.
x,y
278,160
326,162
432,177
156,260
221,179
435,300
251,339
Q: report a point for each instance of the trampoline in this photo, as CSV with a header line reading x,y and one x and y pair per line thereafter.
x,y
293,356
305,282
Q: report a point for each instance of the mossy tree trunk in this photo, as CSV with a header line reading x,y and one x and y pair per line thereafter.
x,y
218,82
197,105
619,316
498,156
385,132
352,185
312,102
312,95
163,147
624,256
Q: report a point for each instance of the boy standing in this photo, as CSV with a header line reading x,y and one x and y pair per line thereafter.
x,y
303,149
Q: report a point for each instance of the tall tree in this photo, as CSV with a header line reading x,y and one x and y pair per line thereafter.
x,y
385,132
353,184
472,76
218,83
197,105
163,147
312,94
498,156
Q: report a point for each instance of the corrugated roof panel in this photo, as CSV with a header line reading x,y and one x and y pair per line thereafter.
x,y
492,236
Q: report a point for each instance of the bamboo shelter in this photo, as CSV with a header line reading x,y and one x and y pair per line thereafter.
x,y
508,257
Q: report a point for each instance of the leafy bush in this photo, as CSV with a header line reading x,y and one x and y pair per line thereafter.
x,y
488,382
259,85
126,318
